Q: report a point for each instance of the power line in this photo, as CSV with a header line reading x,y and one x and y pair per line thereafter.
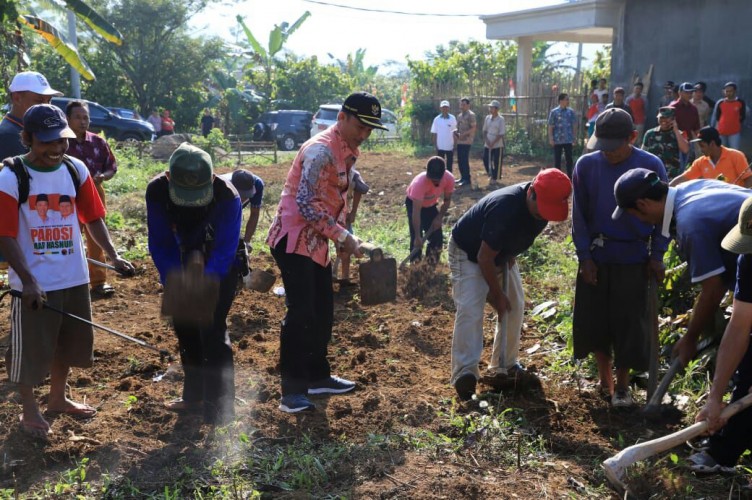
x,y
380,11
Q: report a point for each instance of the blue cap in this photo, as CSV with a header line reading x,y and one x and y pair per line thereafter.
x,y
47,123
631,186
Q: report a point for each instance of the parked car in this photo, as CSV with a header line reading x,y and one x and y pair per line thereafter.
x,y
103,120
289,128
326,116
126,113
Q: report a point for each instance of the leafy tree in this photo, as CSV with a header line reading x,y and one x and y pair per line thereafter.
x,y
353,67
265,56
161,64
307,84
468,68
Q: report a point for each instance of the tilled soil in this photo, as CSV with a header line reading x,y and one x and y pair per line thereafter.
x,y
399,353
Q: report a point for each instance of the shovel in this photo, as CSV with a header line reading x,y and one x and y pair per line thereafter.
x,y
190,296
416,251
378,276
163,353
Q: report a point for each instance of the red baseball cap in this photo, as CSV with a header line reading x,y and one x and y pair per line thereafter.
x,y
552,190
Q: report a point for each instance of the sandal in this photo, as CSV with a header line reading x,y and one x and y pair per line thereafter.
x,y
703,463
179,405
36,430
103,290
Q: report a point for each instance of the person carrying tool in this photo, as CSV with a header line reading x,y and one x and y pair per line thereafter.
x,y
424,218
308,216
698,215
733,356
611,313
48,265
193,218
96,154
484,244
357,188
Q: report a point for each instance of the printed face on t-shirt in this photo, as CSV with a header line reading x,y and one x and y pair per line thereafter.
x,y
66,208
42,206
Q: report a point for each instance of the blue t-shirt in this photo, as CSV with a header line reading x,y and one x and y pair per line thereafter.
x,y
743,291
704,212
596,236
562,121
502,220
10,139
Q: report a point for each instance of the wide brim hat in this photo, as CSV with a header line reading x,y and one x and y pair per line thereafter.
x,y
739,239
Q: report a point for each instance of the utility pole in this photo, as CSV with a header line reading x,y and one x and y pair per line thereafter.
x,y
73,36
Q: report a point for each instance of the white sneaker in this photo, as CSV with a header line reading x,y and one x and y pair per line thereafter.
x,y
621,399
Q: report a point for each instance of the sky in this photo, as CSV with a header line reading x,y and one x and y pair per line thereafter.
x,y
386,37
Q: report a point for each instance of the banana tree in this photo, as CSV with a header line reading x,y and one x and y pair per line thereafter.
x,y
265,56
58,40
353,65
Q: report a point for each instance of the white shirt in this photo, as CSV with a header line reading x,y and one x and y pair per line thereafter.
x,y
444,129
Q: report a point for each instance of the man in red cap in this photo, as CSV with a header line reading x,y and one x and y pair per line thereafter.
x,y
483,247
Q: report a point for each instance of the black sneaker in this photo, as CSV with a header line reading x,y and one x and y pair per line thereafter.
x,y
465,386
331,385
293,403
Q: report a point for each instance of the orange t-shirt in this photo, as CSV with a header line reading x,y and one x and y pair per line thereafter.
x,y
732,164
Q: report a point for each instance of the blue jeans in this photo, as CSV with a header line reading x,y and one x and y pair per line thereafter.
x,y
732,141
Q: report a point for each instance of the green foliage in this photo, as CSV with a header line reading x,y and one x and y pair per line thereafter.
x,y
305,83
161,65
134,172
463,65
215,141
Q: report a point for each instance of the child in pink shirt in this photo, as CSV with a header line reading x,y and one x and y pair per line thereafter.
x,y
424,218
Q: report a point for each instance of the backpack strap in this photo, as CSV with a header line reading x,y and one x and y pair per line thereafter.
x,y
24,178
73,173
17,167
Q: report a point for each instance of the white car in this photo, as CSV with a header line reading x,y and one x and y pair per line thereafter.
x,y
326,116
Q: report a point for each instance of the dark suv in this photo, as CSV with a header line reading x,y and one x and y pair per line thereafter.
x,y
287,127
120,129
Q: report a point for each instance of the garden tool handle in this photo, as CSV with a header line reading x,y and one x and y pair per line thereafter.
x,y
374,252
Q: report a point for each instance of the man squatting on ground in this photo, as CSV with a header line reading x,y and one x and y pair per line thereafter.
x,y
484,244
312,206
191,213
48,264
615,257
423,214
698,214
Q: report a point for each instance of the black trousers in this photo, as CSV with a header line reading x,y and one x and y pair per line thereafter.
x,y
567,149
435,241
206,355
448,157
492,162
728,445
307,326
463,162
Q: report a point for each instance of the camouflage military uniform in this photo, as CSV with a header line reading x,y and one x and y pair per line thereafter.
x,y
663,144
